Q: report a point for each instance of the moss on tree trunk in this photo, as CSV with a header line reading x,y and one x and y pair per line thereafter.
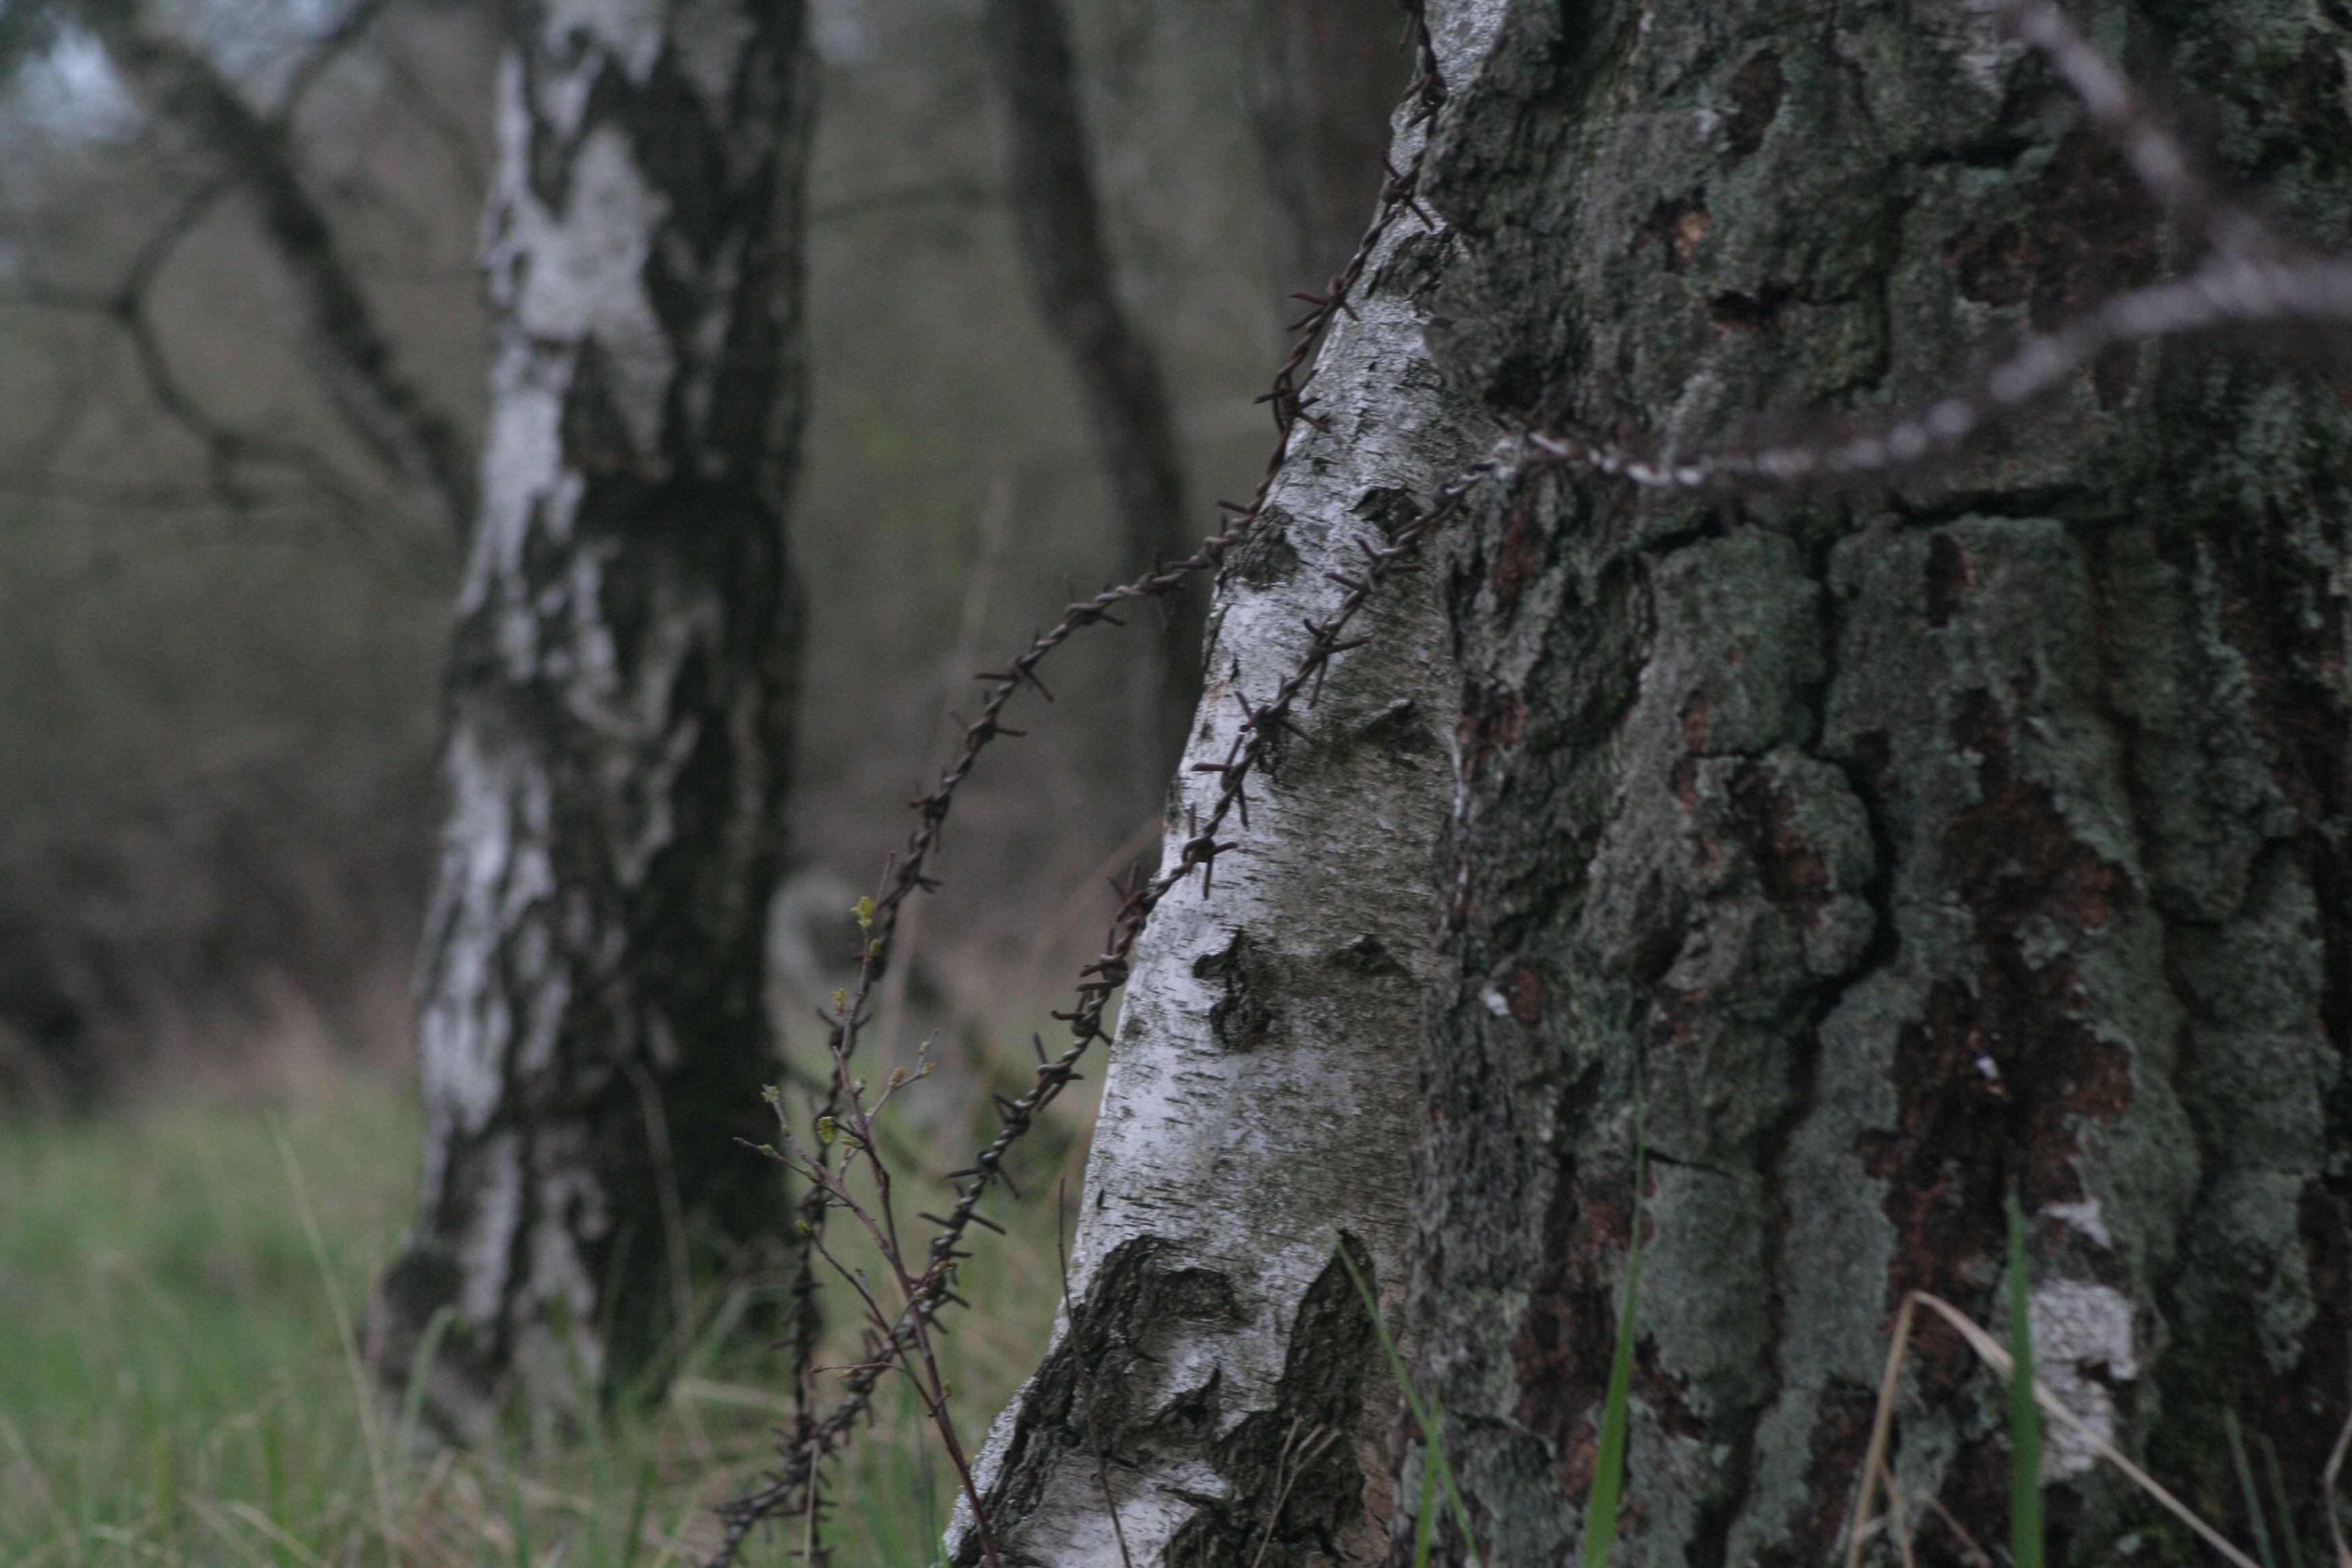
x,y
1899,846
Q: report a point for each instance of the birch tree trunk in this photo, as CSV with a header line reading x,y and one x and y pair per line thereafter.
x,y
1901,849
1215,1379
621,694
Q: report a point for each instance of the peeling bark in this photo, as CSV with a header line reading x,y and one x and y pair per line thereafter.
x,y
1216,1373
590,1031
1899,848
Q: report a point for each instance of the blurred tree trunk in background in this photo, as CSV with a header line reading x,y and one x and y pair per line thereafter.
x,y
1328,73
1057,218
1898,850
621,693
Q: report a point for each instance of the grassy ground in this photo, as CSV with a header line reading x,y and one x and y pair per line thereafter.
x,y
176,1384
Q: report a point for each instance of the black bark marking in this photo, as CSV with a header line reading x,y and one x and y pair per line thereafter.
x,y
1992,1084
2089,232
1755,90
1369,957
1677,227
1789,864
1241,1017
1084,1407
1266,556
1084,1404
1840,1433
1331,1357
1948,577
1757,312
1566,1334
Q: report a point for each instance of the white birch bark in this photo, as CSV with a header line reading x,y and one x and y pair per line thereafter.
x,y
591,1033
1214,1379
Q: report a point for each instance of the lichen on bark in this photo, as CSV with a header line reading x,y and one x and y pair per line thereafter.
x,y
1897,848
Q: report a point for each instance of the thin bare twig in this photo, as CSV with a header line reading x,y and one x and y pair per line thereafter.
x,y
389,413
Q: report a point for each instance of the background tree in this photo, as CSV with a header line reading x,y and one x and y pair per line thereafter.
x,y
1899,849
1050,186
254,153
235,275
591,1035
1327,72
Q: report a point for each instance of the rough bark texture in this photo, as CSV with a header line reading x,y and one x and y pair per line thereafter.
x,y
590,1031
1216,1377
349,352
1328,73
1057,219
1900,847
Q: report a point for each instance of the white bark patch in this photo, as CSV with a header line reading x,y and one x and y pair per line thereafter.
x,y
630,32
488,1239
494,865
2082,1341
524,485
578,275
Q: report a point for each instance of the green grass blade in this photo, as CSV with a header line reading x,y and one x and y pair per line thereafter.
x,y
634,1533
2237,1435
518,1523
1424,1415
2280,1505
420,1368
1424,1524
2025,1540
1600,1507
1608,1464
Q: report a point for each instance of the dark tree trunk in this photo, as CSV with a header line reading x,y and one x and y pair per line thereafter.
x,y
621,694
1328,73
1901,848
1057,218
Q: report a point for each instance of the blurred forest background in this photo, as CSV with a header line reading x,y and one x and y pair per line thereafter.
x,y
222,617
223,614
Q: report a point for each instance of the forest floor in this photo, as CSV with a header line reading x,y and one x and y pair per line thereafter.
x,y
178,1383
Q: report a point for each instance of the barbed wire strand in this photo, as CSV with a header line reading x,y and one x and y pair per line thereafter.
x,y
792,1487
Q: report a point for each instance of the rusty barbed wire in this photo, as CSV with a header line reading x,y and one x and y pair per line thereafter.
x,y
792,1487
2255,276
